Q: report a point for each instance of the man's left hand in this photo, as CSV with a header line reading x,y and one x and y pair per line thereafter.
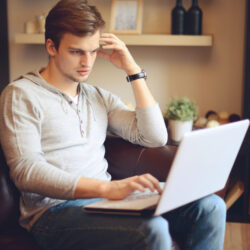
x,y
120,55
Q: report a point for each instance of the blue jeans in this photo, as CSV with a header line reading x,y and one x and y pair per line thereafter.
x,y
200,225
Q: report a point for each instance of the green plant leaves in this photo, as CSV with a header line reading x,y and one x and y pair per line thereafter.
x,y
182,109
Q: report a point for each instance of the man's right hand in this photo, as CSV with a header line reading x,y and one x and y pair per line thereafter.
x,y
116,190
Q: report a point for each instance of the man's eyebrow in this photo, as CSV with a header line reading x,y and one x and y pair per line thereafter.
x,y
83,51
98,48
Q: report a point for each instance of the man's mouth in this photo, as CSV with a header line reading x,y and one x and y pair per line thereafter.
x,y
83,72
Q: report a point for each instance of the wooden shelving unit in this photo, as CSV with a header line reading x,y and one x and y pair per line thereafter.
x,y
136,40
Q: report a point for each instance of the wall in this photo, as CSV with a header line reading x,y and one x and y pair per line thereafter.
x,y
4,60
211,76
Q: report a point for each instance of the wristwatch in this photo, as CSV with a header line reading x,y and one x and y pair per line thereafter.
x,y
134,77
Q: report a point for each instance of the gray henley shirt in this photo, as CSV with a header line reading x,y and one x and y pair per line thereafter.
x,y
49,141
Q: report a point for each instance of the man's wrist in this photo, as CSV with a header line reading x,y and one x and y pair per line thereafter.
x,y
134,70
103,189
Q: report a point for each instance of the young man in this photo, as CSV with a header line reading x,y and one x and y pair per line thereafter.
x,y
53,126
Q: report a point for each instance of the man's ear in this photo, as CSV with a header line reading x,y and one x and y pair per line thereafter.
x,y
50,46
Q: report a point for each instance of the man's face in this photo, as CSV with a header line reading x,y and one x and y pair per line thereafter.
x,y
76,55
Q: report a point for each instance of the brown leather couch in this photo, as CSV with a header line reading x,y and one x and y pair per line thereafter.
x,y
125,159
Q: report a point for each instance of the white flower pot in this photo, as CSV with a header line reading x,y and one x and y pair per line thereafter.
x,y
178,129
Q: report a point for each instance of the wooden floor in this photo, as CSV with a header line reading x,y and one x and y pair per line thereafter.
x,y
237,236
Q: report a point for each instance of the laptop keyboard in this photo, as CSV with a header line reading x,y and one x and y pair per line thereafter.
x,y
139,196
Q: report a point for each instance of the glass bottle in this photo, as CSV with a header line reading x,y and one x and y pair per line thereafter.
x,y
194,19
178,18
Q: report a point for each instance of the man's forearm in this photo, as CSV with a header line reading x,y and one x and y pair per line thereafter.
x,y
90,188
122,59
115,190
142,94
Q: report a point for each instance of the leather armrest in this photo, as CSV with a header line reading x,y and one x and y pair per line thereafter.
x,y
126,159
9,197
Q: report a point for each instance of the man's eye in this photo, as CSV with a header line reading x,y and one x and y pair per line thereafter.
x,y
75,52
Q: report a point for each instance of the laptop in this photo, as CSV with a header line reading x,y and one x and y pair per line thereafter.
x,y
201,166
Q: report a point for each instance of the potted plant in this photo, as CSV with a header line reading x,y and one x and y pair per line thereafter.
x,y
181,112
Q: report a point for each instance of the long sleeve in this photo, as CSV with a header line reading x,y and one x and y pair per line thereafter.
x,y
145,126
20,133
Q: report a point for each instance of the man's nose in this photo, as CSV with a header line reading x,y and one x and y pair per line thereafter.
x,y
86,59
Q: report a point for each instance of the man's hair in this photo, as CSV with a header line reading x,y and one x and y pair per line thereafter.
x,y
72,16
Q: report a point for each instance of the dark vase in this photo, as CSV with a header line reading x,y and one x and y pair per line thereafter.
x,y
178,18
194,19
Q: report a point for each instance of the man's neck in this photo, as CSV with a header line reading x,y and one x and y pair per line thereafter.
x,y
66,86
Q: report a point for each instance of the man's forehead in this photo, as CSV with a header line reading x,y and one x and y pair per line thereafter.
x,y
82,42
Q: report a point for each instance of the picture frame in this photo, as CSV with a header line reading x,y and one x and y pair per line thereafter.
x,y
126,16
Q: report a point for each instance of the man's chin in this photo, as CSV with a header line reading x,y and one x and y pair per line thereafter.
x,y
80,78
83,79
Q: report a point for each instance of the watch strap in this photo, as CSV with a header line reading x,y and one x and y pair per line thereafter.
x,y
137,76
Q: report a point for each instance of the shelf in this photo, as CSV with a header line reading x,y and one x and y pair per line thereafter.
x,y
135,40
167,40
29,38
